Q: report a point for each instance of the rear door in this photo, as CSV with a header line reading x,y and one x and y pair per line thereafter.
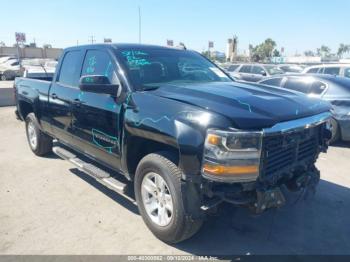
x,y
62,93
96,117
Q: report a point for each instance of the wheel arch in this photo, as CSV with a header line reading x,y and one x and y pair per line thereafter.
x,y
138,147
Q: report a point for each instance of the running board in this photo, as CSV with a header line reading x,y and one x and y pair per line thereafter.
x,y
100,175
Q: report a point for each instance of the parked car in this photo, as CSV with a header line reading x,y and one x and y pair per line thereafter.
x,y
176,128
4,59
333,89
255,72
291,68
330,69
9,69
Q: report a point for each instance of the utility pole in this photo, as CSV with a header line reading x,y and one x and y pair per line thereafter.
x,y
139,24
92,39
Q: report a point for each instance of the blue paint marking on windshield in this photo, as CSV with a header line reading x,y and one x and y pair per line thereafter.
x,y
135,58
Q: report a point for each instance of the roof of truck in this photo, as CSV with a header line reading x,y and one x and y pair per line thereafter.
x,y
122,46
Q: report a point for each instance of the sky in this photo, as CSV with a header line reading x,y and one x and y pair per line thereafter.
x,y
295,25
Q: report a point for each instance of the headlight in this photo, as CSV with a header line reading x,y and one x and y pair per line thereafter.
x,y
232,156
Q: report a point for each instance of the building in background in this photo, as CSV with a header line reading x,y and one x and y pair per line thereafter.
x,y
31,52
231,49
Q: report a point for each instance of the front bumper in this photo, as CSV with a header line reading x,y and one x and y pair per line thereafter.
x,y
258,197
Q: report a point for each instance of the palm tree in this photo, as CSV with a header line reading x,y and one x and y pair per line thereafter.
x,y
342,49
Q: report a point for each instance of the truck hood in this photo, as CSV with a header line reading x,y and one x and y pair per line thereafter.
x,y
248,106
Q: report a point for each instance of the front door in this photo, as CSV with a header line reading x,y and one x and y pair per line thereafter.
x,y
61,95
96,117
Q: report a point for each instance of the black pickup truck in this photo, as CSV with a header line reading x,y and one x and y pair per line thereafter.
x,y
182,134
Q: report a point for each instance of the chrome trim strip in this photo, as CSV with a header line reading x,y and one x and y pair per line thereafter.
x,y
297,124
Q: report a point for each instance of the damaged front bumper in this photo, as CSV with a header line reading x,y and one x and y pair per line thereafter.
x,y
288,153
257,196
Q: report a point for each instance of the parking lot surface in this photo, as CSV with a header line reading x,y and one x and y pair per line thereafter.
x,y
46,207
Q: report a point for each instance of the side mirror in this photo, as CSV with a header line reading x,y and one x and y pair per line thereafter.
x,y
98,84
263,73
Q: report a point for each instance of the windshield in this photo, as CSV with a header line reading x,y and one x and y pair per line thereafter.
x,y
274,70
153,67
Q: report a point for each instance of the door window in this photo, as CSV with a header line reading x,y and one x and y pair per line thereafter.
x,y
69,69
245,69
332,70
313,70
232,68
98,62
258,70
272,81
317,88
297,84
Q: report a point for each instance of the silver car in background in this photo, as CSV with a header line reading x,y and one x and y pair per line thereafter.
x,y
330,69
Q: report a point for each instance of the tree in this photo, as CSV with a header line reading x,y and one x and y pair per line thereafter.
x,y
323,51
343,49
276,53
206,54
263,51
309,53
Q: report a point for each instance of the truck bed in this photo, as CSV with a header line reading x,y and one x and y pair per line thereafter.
x,y
31,89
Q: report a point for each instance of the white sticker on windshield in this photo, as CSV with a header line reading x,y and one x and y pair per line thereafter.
x,y
218,72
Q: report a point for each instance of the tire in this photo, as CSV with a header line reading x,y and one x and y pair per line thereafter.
x,y
39,142
180,226
335,131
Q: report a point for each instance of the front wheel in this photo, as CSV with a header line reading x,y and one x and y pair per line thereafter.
x,y
159,199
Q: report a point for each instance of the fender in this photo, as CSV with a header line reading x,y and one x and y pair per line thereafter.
x,y
172,123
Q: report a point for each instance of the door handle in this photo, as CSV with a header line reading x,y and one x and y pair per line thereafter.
x,y
54,96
